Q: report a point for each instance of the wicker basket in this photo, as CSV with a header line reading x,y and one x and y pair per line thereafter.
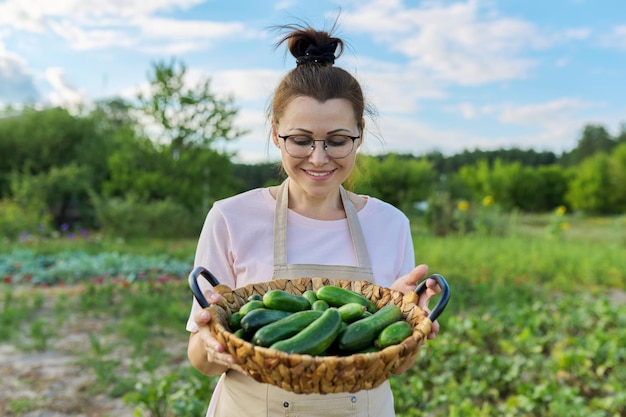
x,y
317,374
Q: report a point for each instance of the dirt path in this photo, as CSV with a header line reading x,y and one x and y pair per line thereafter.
x,y
55,382
50,384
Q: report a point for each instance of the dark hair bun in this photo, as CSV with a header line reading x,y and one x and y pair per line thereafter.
x,y
308,45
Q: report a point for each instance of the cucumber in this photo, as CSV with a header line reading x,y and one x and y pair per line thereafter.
x,y
337,296
351,312
234,321
260,317
370,349
284,328
315,338
255,296
320,305
249,306
393,334
362,333
240,333
285,301
310,295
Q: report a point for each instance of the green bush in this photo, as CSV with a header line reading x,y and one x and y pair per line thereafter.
x,y
132,217
16,220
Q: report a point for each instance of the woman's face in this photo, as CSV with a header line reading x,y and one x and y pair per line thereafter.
x,y
318,175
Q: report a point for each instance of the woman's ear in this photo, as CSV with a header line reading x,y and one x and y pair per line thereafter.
x,y
274,134
362,129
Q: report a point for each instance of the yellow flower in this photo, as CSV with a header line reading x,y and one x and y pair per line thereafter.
x,y
463,205
561,210
487,201
565,226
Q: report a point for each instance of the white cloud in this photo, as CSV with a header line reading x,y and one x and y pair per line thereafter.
x,y
616,38
63,94
92,24
256,85
81,38
465,42
16,80
550,113
396,88
34,15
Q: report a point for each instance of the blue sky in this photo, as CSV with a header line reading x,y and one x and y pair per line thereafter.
x,y
444,75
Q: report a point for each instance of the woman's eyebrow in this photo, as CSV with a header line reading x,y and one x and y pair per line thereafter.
x,y
300,129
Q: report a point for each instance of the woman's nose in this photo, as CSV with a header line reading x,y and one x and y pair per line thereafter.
x,y
319,156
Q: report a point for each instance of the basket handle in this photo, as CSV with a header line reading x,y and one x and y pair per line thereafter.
x,y
206,274
445,295
195,288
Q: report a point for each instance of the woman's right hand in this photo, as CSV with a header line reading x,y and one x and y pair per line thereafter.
x,y
214,351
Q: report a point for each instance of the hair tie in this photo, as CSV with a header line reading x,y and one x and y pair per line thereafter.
x,y
324,54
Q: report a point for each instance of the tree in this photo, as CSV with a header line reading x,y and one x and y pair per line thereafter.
x,y
513,185
54,149
186,113
590,188
594,139
401,181
186,124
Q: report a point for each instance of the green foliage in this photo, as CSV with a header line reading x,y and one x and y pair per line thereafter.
x,y
445,216
597,185
594,139
186,114
181,394
62,192
27,266
586,261
529,358
132,216
447,165
399,181
515,186
258,175
440,215
19,220
194,179
558,223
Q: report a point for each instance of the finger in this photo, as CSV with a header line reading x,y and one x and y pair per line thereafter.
x,y
217,354
417,274
433,285
202,318
211,297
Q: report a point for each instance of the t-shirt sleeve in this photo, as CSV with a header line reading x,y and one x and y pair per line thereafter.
x,y
213,253
408,260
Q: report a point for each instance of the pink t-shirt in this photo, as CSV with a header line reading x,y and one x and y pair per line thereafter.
x,y
237,241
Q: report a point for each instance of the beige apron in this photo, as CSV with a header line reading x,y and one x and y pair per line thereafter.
x,y
242,396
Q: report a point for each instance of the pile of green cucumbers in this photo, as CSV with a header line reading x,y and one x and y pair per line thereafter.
x,y
329,321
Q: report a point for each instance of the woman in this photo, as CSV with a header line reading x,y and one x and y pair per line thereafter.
x,y
307,227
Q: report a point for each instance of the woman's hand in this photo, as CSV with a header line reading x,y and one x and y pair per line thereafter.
x,y
408,283
209,354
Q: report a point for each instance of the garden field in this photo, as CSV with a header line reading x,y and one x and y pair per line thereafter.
x,y
536,326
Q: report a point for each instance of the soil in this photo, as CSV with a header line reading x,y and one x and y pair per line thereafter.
x,y
54,382
50,384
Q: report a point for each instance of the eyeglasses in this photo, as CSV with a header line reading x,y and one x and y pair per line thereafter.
x,y
302,146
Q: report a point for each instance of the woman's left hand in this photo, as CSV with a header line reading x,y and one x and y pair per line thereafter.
x,y
408,283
